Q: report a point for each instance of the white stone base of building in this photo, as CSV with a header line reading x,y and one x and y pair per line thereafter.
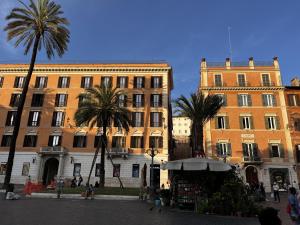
x,y
37,163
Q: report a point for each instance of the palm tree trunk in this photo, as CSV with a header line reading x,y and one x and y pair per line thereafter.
x,y
102,163
12,148
200,132
94,160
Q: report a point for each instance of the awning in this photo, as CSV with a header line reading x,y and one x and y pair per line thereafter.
x,y
193,164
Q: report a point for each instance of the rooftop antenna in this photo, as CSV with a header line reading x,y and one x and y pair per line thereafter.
x,y
230,47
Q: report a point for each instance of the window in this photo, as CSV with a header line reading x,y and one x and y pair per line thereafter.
x,y
269,100
2,168
139,82
19,82
222,122
1,81
41,82
25,169
246,122
58,119
86,82
224,99
6,140
15,100
116,170
122,101
34,119
63,82
250,151
37,100
106,82
136,170
244,100
241,80
118,142
156,100
10,119
155,119
61,100
272,122
297,124
293,100
54,140
266,80
138,100
155,142
122,82
77,169
79,141
223,149
218,80
137,119
156,82
30,141
137,142
276,150
97,140
97,170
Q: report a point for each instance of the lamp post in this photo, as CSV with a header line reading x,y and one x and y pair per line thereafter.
x,y
152,152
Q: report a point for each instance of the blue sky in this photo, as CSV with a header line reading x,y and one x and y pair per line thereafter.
x,y
180,32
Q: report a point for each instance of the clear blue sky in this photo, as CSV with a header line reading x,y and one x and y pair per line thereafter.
x,y
180,32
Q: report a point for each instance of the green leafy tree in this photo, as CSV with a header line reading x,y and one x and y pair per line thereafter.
x,y
38,25
100,107
199,109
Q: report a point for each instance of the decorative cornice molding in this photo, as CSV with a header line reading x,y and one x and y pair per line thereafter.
x,y
241,88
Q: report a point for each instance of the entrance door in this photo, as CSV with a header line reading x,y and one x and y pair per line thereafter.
x,y
50,170
156,175
251,175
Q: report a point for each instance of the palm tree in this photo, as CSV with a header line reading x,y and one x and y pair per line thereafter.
x,y
99,106
199,109
36,25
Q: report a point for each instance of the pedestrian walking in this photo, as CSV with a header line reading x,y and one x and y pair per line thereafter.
x,y
59,186
276,192
74,182
293,206
80,180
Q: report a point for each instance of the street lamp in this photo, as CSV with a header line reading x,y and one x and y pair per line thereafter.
x,y
152,152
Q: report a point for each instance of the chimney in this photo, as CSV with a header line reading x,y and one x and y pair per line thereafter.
x,y
227,63
251,63
203,63
275,62
295,82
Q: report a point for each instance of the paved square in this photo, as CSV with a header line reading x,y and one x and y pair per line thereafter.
x,y
88,212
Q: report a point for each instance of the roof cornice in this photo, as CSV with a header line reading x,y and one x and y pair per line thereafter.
x,y
241,88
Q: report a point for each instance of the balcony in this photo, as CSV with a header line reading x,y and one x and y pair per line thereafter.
x,y
252,160
118,152
56,150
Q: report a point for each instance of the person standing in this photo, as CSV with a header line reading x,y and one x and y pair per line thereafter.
x,y
293,206
276,192
80,180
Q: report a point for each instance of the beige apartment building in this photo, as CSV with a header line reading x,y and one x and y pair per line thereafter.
x,y
49,143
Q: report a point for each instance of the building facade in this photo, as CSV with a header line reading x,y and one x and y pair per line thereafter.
x,y
181,135
49,143
292,98
251,129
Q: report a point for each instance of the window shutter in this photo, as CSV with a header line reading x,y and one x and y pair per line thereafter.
x,y
91,81
160,142
133,119
151,119
281,149
218,149
54,119
160,82
143,100
1,81
66,100
114,142
227,122
224,100
68,82
240,103
126,82
241,123
142,119
160,100
267,123
152,82
30,117
125,100
134,82
46,82
37,82
249,99
39,118
50,141
255,150
251,122
245,152
274,100
132,142
270,151
16,82
134,100
118,82
229,149
151,100
297,100
264,100
277,123
160,119
216,123
290,100
143,85
82,82
62,120
142,142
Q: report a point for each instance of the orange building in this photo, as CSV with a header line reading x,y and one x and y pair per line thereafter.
x,y
251,130
50,144
292,97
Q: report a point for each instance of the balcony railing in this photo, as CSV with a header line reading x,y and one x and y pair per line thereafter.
x,y
118,152
252,160
53,150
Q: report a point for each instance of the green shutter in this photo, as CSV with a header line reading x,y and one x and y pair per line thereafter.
x,y
251,122
245,152
249,99
255,150
224,100
266,123
281,149
216,122
229,149
241,123
218,149
227,122
240,103
264,99
270,151
277,123
274,100
297,100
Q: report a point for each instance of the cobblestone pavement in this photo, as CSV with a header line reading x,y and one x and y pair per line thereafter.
x,y
92,212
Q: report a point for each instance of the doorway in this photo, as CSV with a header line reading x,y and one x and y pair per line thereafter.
x,y
251,175
156,175
50,170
